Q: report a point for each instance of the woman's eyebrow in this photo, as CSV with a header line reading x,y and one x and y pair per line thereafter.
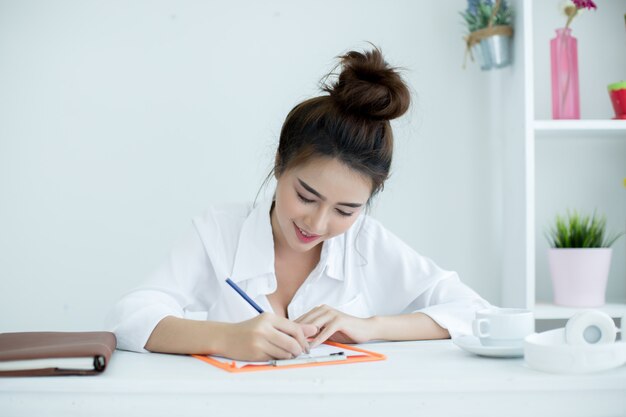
x,y
314,192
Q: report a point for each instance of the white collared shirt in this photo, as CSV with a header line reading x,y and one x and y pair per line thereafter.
x,y
365,272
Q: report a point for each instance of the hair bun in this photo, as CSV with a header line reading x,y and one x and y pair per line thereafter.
x,y
368,87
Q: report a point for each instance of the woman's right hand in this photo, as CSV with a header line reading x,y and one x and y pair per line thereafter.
x,y
267,336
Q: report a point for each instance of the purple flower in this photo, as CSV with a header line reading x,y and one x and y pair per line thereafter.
x,y
585,4
472,7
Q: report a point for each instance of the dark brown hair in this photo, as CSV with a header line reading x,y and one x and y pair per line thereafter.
x,y
351,122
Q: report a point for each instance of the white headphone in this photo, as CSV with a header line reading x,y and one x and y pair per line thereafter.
x,y
586,344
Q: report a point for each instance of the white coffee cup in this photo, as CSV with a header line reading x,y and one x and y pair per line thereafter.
x,y
503,326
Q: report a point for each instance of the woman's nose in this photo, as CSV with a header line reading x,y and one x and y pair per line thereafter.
x,y
317,221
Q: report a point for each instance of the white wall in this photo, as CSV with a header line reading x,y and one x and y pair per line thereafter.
x,y
119,121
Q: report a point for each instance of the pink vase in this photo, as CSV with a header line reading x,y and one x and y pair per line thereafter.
x,y
564,63
579,276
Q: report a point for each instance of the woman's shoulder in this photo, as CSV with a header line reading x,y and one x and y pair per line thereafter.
x,y
228,215
227,210
375,239
219,227
372,230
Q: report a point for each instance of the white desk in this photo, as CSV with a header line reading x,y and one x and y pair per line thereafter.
x,y
418,379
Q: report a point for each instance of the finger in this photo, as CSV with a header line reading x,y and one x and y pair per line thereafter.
x,y
309,330
294,330
289,343
303,318
276,352
323,319
284,334
312,315
324,334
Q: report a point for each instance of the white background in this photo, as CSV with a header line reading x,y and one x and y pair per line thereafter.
x,y
120,121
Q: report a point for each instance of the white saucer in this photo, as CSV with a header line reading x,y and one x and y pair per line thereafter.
x,y
472,344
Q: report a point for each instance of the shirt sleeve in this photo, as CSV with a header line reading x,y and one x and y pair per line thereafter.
x,y
450,303
403,282
171,289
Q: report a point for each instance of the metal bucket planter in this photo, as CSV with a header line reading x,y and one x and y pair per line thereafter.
x,y
492,46
493,52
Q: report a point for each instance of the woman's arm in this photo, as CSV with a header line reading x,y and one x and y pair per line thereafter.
x,y
176,335
264,337
415,326
398,283
343,328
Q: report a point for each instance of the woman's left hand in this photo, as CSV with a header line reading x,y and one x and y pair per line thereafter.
x,y
336,326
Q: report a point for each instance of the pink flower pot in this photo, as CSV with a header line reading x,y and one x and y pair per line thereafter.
x,y
564,68
579,275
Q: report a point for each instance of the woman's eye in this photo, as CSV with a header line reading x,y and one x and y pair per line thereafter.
x,y
304,200
307,201
344,213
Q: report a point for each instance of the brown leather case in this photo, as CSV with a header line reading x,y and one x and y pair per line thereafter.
x,y
50,345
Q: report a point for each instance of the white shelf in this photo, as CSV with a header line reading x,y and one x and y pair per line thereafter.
x,y
545,311
603,128
525,135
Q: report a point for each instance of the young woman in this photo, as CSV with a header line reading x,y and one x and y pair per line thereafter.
x,y
320,268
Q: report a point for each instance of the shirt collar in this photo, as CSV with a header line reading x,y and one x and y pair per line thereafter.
x,y
255,249
331,257
341,251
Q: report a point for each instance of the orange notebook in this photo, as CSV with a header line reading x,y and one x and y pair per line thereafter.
x,y
361,355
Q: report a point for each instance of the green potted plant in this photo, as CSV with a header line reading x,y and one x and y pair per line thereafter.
x,y
580,259
490,32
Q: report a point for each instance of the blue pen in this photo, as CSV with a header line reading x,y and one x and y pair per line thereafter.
x,y
244,295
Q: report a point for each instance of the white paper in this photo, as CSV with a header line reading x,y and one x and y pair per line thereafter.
x,y
321,350
85,364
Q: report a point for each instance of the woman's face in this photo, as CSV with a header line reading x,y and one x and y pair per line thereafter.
x,y
317,201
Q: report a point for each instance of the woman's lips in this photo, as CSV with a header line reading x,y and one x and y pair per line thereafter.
x,y
302,237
